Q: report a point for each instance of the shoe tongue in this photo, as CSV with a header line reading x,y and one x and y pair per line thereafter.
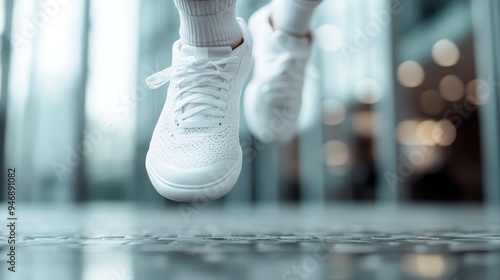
x,y
211,52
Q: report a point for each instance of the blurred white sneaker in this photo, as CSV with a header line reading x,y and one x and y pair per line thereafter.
x,y
273,98
195,154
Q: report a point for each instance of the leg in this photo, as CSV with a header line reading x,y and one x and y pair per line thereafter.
x,y
293,16
282,45
195,153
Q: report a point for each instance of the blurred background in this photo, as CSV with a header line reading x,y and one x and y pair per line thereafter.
x,y
401,103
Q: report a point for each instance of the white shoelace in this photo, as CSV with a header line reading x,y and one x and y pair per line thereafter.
x,y
201,90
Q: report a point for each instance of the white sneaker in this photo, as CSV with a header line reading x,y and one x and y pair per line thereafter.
x,y
195,153
273,97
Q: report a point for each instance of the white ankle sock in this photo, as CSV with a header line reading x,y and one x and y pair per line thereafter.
x,y
208,23
294,16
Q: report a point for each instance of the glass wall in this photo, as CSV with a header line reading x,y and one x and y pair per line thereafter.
x,y
400,103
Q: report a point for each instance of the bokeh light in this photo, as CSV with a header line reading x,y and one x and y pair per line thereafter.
x,y
333,112
425,132
452,88
445,53
336,153
444,133
406,132
474,90
368,91
425,266
410,74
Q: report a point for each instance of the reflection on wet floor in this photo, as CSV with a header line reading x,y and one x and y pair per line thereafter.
x,y
119,242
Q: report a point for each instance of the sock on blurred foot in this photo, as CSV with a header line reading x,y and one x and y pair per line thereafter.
x,y
208,23
293,16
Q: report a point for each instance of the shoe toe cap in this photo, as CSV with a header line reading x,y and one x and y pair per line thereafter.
x,y
193,183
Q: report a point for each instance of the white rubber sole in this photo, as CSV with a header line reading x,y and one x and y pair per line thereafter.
x,y
195,193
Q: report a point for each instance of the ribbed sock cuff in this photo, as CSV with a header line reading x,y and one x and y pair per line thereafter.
x,y
208,23
294,16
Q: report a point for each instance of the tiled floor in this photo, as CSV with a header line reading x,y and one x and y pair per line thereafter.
x,y
203,241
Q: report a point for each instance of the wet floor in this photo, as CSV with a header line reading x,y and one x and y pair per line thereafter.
x,y
200,241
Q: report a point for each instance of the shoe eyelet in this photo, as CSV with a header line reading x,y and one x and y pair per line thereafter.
x,y
220,124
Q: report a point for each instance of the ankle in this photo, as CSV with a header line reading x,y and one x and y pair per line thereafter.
x,y
275,26
237,44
